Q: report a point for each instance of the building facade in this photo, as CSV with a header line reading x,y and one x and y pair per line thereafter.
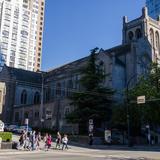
x,y
21,33
123,64
153,8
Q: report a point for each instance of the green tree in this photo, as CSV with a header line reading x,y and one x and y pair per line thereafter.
x,y
94,100
149,86
141,114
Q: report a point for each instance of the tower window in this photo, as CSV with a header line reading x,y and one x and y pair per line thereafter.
x,y
157,41
130,35
151,37
138,33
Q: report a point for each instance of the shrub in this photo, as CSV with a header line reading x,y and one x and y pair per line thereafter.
x,y
6,136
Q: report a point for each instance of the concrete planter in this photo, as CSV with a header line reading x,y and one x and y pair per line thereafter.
x,y
6,145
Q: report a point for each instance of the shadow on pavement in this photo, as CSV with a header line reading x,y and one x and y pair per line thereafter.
x,y
118,147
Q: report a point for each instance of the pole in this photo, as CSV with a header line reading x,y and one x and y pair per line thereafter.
x,y
27,127
127,106
128,118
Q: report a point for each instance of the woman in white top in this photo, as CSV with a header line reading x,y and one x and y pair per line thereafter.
x,y
65,142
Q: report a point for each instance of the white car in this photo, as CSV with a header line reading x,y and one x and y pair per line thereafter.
x,y
23,128
11,127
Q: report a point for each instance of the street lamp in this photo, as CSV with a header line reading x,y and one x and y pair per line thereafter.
x,y
127,106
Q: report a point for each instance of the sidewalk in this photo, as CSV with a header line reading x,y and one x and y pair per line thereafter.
x,y
119,147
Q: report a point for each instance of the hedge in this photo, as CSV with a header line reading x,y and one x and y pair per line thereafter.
x,y
6,136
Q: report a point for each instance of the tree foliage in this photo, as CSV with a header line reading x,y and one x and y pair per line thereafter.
x,y
94,100
149,86
142,114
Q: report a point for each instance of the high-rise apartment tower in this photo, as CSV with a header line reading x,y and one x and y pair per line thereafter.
x,y
21,33
153,8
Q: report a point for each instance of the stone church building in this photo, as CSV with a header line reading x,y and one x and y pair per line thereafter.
x,y
43,97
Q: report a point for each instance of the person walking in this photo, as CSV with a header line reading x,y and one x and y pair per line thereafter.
x,y
38,139
58,140
49,141
21,140
65,142
33,140
45,141
26,141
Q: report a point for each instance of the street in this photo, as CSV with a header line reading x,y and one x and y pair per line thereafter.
x,y
79,153
82,153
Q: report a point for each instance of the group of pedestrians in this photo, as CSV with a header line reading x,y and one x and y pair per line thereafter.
x,y
31,141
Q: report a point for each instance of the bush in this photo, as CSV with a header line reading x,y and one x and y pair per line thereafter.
x,y
6,136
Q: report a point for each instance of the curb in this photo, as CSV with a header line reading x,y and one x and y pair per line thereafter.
x,y
112,147
17,152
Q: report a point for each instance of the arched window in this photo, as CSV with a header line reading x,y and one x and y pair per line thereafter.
x,y
130,35
24,97
151,37
138,33
36,98
157,41
58,89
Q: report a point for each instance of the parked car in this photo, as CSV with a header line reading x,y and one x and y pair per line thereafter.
x,y
15,130
11,127
23,128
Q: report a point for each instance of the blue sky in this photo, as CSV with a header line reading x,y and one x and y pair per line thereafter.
x,y
73,27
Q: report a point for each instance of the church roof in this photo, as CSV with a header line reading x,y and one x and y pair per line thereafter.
x,y
74,66
23,76
121,49
68,67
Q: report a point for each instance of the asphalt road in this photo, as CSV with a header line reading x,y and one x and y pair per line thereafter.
x,y
77,153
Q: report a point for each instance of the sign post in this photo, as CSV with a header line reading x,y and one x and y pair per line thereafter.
x,y
90,131
26,123
91,126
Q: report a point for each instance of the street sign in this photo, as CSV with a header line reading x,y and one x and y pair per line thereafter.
x,y
91,128
90,121
141,99
42,120
147,126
